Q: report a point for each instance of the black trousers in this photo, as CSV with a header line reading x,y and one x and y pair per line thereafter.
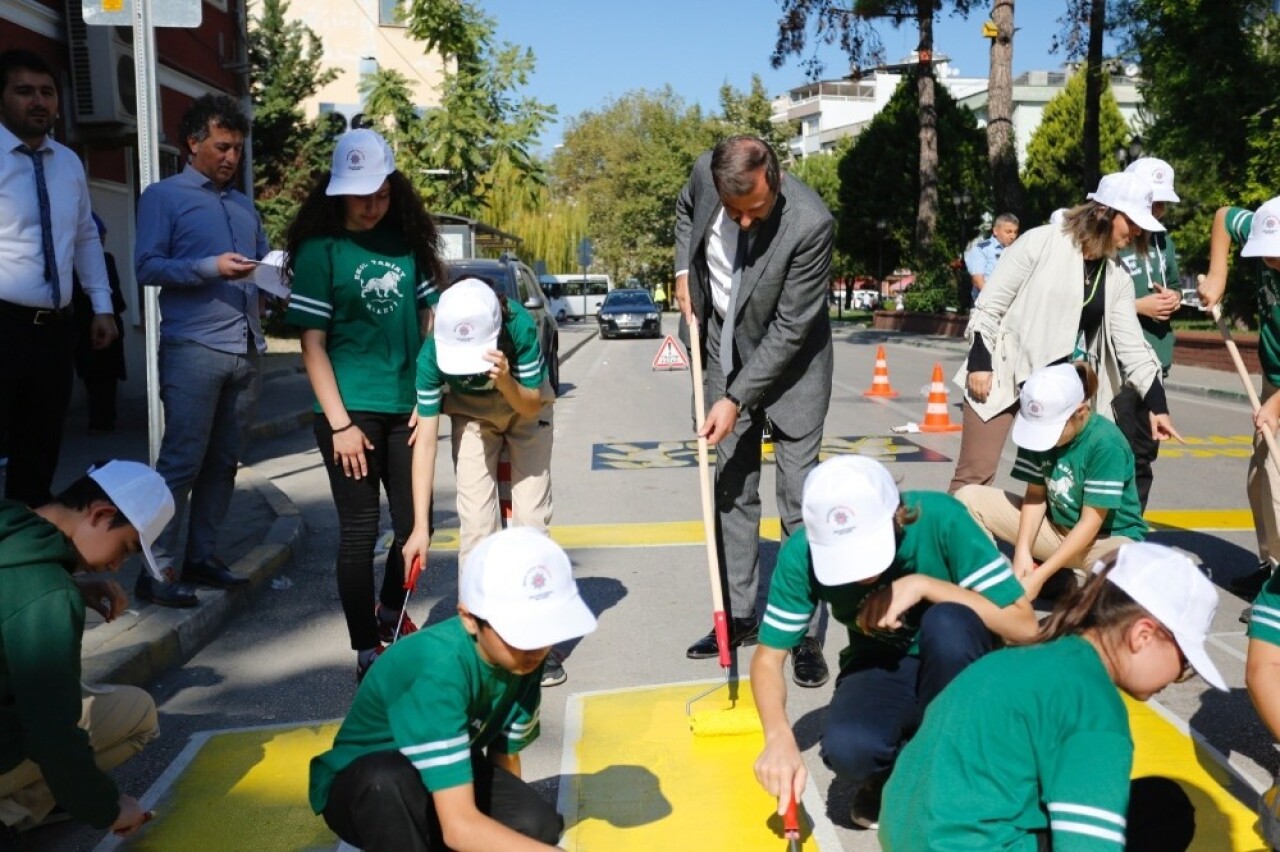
x,y
379,803
1161,818
35,389
1133,418
358,501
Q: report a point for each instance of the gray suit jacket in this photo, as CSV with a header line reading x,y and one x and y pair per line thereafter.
x,y
782,335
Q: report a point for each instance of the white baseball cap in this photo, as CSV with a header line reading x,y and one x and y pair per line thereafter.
x,y
142,497
1129,194
849,504
520,581
468,318
362,160
1264,233
1158,173
1045,404
1168,585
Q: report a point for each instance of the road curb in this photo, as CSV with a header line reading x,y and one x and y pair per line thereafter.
x,y
162,638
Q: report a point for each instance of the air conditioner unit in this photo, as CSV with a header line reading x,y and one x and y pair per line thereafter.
x,y
102,72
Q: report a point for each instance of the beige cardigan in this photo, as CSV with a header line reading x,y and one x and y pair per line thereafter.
x,y
1029,316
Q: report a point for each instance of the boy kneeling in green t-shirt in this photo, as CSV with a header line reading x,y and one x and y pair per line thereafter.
x,y
428,756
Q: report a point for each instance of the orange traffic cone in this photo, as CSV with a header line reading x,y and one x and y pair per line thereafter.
x,y
936,417
880,381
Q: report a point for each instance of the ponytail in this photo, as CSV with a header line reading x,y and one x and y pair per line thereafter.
x,y
1098,605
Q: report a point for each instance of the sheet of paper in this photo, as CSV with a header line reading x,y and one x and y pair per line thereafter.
x,y
269,276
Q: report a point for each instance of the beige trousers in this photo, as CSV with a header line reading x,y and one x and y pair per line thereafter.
x,y
999,512
120,721
482,424
1263,486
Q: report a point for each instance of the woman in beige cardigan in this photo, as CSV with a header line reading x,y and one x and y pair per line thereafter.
x,y
1058,294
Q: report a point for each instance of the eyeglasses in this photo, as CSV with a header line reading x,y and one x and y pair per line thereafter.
x,y
1187,671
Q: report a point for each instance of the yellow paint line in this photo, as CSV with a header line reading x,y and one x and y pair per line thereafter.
x,y
642,781
245,790
1223,823
1201,520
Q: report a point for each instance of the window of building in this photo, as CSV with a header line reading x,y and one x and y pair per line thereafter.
x,y
391,13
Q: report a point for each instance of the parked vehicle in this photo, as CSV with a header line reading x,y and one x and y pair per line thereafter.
x,y
584,293
516,281
866,300
629,312
557,304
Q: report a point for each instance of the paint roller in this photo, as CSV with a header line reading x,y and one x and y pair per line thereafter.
x,y
410,581
736,719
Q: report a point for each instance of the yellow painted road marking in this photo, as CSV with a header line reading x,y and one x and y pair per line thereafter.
x,y
1223,824
680,533
637,779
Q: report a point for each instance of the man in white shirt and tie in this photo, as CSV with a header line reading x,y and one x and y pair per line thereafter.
x,y
46,232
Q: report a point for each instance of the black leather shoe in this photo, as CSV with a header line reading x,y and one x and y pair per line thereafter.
x,y
742,631
808,668
175,595
212,573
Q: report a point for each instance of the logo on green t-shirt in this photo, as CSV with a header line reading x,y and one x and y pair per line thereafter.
x,y
379,286
1060,483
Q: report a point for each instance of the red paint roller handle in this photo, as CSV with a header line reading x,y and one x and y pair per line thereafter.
x,y
722,638
415,571
791,821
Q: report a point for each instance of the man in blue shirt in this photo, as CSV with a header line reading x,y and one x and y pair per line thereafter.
x,y
197,239
981,258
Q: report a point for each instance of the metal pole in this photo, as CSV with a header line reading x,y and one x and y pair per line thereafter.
x,y
144,53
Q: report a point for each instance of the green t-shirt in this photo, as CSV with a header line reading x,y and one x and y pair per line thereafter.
x,y
1239,223
1264,617
1160,265
943,542
1095,469
529,368
1023,740
432,698
362,290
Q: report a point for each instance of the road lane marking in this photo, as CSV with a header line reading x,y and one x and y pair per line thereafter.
x,y
661,455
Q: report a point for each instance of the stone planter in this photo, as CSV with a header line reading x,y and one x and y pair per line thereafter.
x,y
945,325
1206,349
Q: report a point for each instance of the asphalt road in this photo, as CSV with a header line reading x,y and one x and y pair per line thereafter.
x,y
287,659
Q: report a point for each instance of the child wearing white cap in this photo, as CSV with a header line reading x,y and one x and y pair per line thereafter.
x,y
55,743
1157,296
362,256
1259,233
1030,747
483,366
1081,501
428,757
922,592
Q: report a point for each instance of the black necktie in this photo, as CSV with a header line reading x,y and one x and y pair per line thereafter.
x,y
46,224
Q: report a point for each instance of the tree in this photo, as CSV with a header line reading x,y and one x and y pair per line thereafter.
x,y
821,173
871,183
285,59
753,113
849,23
1002,152
1054,175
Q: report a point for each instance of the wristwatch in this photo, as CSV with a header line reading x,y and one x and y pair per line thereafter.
x,y
736,402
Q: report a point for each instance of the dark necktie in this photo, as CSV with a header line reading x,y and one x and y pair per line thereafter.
x,y
735,281
46,224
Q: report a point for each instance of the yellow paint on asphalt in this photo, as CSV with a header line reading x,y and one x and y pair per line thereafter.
x,y
1223,823
643,781
680,533
244,790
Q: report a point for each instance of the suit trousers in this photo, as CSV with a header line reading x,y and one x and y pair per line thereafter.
x,y
737,489
481,425
120,720
210,399
379,804
35,389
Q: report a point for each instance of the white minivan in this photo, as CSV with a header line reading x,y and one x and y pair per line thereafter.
x,y
584,294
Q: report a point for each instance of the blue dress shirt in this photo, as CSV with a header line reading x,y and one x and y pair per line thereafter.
x,y
184,223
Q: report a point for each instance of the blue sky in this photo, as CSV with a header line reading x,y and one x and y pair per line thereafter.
x,y
590,52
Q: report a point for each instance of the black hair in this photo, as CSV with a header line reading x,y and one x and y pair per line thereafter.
x,y
324,215
1098,605
220,110
23,60
734,162
86,491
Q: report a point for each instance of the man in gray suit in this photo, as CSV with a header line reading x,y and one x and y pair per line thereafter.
x,y
753,261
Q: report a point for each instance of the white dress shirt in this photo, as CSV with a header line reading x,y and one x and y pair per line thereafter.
x,y
75,236
722,245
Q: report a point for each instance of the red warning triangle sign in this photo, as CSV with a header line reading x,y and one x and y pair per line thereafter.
x,y
670,356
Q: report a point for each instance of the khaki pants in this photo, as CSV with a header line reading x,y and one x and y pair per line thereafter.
x,y
1263,485
120,721
482,423
999,512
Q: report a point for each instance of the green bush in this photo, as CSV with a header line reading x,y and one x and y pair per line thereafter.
x,y
934,290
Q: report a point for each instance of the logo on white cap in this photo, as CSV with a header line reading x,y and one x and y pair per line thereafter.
x,y
468,319
848,508
1046,402
362,160
1264,232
